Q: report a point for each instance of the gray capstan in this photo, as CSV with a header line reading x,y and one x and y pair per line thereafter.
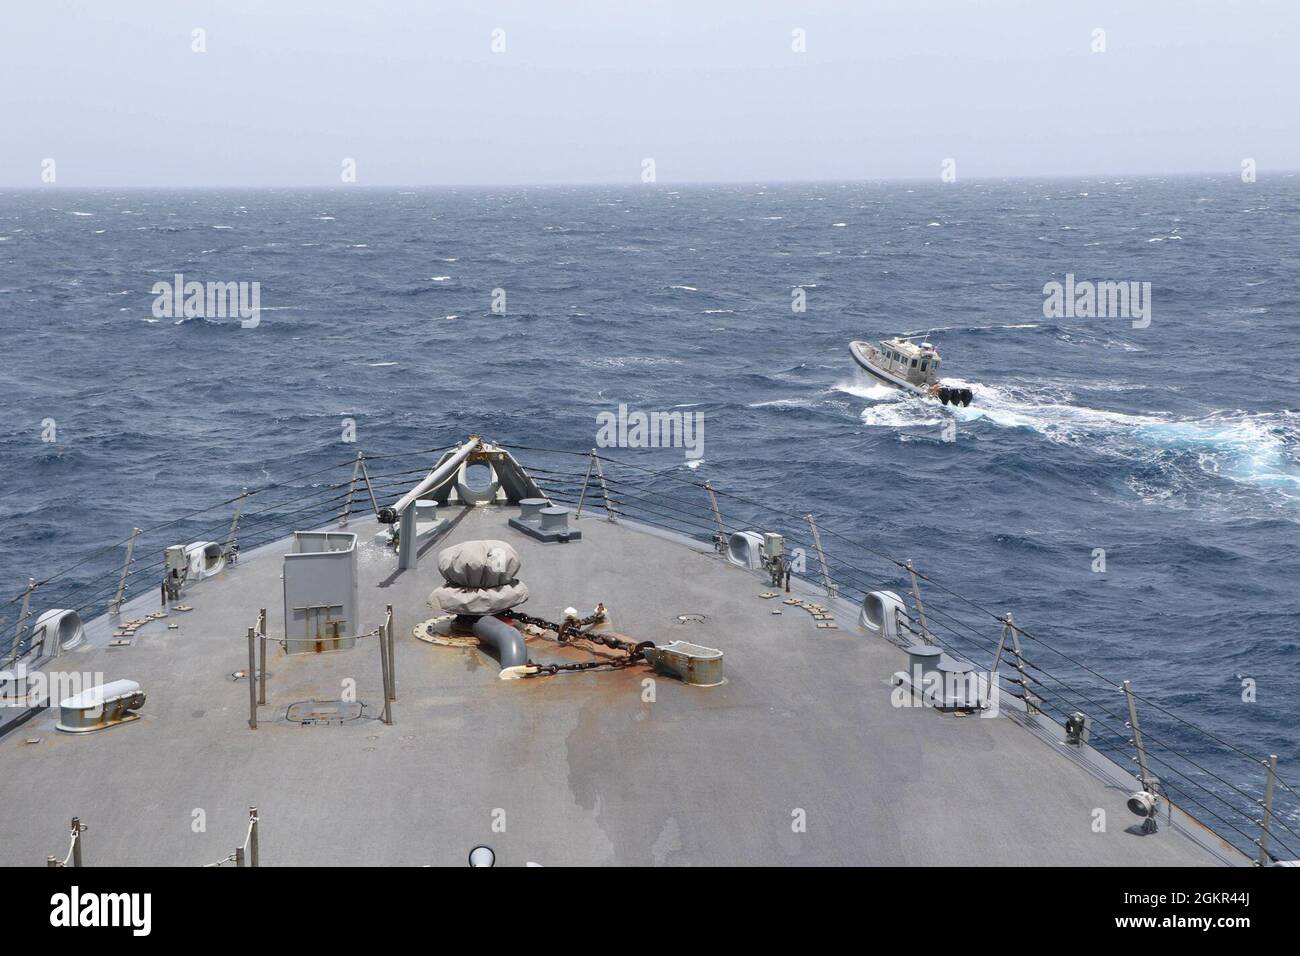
x,y
539,519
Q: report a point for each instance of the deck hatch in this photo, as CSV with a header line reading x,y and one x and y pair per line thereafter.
x,y
308,712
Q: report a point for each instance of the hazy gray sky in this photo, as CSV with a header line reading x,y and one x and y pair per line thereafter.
x,y
584,91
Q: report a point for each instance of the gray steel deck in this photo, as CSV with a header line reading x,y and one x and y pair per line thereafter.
x,y
584,770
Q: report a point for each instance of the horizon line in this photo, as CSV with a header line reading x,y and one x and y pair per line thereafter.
x,y
688,183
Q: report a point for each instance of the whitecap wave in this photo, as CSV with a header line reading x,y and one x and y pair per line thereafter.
x,y
623,361
784,403
1255,448
971,328
910,414
874,391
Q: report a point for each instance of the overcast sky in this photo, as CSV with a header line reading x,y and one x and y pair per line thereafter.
x,y
584,91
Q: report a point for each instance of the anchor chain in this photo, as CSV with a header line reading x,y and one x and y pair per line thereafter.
x,y
573,630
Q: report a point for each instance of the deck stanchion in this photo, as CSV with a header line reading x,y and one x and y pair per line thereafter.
x,y
23,613
261,656
370,489
719,536
73,856
126,572
352,488
832,590
77,830
1009,630
1266,823
252,678
231,550
916,599
610,512
253,820
583,496
1137,737
358,471
392,657
383,663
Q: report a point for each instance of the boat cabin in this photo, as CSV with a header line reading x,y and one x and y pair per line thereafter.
x,y
918,364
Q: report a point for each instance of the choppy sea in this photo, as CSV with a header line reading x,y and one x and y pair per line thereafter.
x,y
1172,448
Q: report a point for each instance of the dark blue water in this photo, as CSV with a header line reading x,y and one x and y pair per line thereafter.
x,y
1173,448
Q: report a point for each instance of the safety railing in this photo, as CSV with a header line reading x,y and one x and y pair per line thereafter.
x,y
108,578
385,635
1236,793
247,853
73,856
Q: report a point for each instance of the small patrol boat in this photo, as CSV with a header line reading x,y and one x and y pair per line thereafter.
x,y
913,368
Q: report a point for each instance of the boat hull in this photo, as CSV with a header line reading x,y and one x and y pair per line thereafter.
x,y
856,350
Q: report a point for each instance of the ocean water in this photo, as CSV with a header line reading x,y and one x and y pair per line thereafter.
x,y
1173,448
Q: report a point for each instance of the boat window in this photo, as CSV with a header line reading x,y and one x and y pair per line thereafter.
x,y
923,364
913,363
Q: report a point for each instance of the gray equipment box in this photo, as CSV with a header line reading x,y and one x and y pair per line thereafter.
x,y
320,592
